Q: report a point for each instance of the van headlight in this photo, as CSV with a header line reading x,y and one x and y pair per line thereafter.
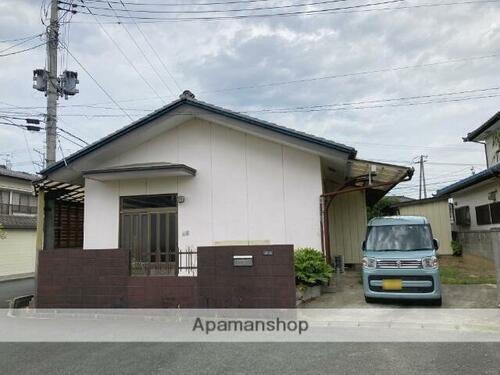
x,y
430,262
369,262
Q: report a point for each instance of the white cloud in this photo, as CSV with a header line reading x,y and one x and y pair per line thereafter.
x,y
209,56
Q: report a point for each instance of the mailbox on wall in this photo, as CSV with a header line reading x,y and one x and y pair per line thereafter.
x,y
243,260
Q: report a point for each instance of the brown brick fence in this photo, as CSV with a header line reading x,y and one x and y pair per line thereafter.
x,y
76,278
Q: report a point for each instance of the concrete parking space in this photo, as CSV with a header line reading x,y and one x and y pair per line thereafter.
x,y
349,294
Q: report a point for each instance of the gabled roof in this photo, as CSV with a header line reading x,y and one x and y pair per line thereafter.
x,y
475,133
188,99
491,172
17,174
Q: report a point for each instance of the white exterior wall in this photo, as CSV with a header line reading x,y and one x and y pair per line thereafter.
x,y
476,196
247,190
491,152
17,252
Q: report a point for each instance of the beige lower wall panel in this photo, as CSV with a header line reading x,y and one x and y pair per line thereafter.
x,y
18,252
347,214
439,217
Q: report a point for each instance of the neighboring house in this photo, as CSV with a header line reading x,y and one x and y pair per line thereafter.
x,y
475,198
400,198
192,175
18,220
437,211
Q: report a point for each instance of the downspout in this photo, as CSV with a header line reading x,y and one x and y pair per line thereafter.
x,y
327,198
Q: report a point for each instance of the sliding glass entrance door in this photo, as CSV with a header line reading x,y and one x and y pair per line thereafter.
x,y
150,234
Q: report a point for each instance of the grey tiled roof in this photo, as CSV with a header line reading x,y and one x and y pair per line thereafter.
x,y
491,172
17,174
208,107
473,134
18,222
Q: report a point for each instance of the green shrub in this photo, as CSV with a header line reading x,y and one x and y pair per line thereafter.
x,y
311,268
456,248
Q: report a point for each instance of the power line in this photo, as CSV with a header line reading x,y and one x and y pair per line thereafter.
x,y
399,145
280,83
145,56
271,111
213,10
415,187
23,50
312,79
340,10
182,4
69,140
437,163
348,108
155,52
18,39
96,82
18,44
126,57
319,106
72,135
283,14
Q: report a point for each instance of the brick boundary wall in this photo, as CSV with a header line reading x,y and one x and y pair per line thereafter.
x,y
269,283
76,278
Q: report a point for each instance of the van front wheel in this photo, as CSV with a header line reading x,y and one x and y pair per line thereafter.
x,y
370,299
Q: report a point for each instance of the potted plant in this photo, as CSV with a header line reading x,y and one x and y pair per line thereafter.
x,y
311,271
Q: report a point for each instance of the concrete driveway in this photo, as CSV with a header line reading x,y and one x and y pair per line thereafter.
x,y
350,295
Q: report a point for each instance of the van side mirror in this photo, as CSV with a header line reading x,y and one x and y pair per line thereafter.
x,y
436,243
363,245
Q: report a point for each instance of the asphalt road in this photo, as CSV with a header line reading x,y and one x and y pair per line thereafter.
x,y
260,358
15,288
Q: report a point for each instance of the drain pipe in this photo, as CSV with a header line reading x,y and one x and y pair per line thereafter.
x,y
326,200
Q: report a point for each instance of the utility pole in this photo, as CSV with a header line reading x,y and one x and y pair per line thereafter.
x,y
53,84
421,183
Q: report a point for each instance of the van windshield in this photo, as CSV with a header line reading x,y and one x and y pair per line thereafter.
x,y
399,238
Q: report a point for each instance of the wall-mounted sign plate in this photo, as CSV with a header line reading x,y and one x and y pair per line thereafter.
x,y
243,260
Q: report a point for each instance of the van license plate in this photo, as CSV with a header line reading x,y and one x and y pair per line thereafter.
x,y
392,284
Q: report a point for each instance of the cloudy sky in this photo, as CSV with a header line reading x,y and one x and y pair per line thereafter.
x,y
394,79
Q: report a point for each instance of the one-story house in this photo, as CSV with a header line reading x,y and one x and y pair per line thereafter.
x,y
191,179
17,224
437,211
475,198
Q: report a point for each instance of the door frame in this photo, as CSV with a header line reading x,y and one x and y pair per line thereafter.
x,y
149,211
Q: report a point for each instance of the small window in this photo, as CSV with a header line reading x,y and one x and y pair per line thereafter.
x,y
462,216
149,201
483,216
495,213
23,203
